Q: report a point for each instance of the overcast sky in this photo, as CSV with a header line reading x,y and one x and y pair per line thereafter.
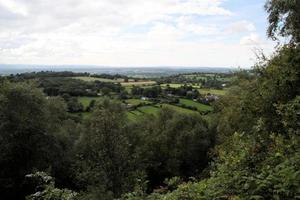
x,y
210,33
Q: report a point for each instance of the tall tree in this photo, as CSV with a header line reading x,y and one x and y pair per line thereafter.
x,y
104,160
26,142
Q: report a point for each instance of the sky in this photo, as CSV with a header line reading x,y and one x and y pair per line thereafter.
x,y
207,33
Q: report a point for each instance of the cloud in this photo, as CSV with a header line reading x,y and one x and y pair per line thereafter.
x,y
122,32
190,24
241,26
252,39
14,7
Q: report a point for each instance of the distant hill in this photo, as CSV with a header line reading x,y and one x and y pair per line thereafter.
x,y
146,72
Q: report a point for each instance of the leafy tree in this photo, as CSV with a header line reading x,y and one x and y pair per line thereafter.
x,y
26,139
105,164
284,19
174,144
45,188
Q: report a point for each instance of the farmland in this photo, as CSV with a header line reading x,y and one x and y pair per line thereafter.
x,y
91,79
130,82
85,101
212,91
199,106
203,91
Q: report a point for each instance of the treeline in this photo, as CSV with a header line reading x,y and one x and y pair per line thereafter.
x,y
109,76
204,80
45,74
65,74
56,86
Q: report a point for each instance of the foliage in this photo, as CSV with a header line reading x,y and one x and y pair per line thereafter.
x,y
105,161
26,140
182,142
284,19
46,188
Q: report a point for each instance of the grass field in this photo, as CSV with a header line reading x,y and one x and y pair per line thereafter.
x,y
142,111
132,116
177,85
139,83
90,79
172,85
148,109
212,91
178,109
86,100
199,106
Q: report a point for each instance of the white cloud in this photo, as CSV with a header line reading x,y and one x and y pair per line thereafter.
x,y
241,26
14,7
189,24
106,32
252,39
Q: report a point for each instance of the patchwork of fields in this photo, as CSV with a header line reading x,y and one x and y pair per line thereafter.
x,y
139,108
150,108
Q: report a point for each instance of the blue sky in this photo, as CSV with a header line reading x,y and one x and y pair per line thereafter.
x,y
210,33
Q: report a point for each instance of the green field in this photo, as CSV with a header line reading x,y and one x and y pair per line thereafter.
x,y
91,79
85,101
178,109
138,83
148,109
132,116
177,85
212,91
172,85
136,101
142,111
199,106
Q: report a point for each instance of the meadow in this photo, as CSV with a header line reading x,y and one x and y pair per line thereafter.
x,y
199,106
85,101
212,91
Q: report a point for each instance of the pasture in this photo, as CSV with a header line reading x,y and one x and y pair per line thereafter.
x,y
137,101
85,101
199,106
212,91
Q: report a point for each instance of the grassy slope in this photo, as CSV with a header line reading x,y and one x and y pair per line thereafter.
x,y
212,91
199,106
86,100
179,109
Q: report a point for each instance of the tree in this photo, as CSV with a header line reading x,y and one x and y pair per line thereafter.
x,y
104,159
284,19
173,144
26,139
45,188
